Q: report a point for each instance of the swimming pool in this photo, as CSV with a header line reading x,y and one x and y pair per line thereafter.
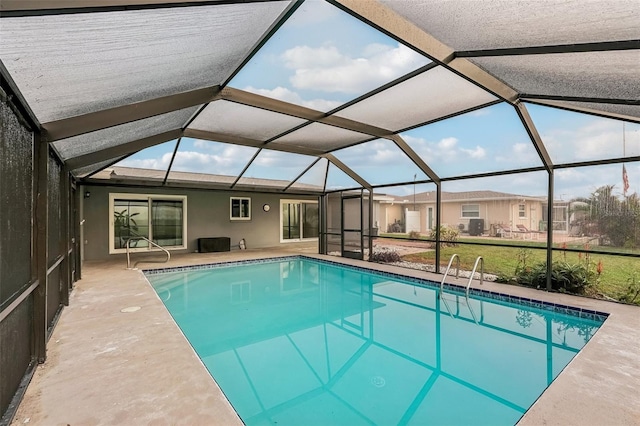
x,y
301,341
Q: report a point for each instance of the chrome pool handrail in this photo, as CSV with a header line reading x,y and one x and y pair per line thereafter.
x,y
140,237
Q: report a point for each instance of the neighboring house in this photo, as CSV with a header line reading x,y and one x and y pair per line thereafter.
x,y
484,210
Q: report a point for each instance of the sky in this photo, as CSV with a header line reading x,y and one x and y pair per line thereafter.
x,y
322,57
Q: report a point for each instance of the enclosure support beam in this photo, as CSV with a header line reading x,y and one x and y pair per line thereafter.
x,y
65,205
438,222
392,23
74,126
41,261
121,150
263,102
530,127
566,105
353,175
409,152
370,224
550,231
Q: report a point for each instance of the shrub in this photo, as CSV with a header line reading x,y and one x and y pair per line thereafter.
x,y
414,235
385,256
448,236
632,291
565,277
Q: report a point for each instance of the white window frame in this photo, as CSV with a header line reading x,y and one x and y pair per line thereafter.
x,y
148,197
295,240
241,199
522,211
462,212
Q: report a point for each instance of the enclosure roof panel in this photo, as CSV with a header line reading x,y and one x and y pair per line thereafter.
x,y
322,137
431,95
494,24
103,80
71,64
118,135
602,75
257,124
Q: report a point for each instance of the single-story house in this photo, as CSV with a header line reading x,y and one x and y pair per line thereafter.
x,y
473,212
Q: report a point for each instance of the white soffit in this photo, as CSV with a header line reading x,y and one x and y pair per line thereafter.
x,y
428,96
73,64
492,24
322,137
244,121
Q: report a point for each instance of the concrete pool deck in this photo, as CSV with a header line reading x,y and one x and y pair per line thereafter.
x,y
106,366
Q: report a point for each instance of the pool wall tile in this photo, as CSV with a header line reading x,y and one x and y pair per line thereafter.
x,y
454,288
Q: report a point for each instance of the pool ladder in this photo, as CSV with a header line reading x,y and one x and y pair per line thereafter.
x,y
479,260
137,236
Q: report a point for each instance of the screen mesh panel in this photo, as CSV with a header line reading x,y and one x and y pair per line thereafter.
x,y
486,140
85,171
257,124
592,204
275,168
53,294
322,136
574,137
370,159
322,57
608,75
337,179
214,158
16,210
72,64
155,157
430,95
124,133
314,178
492,24
510,207
54,228
628,110
15,341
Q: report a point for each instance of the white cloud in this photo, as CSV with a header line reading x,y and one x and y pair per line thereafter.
x,y
161,163
326,68
223,163
477,153
521,148
446,150
590,141
447,143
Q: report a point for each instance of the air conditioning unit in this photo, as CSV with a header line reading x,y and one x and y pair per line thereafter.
x,y
476,227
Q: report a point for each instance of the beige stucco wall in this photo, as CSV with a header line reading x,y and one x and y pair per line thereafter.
x,y
504,212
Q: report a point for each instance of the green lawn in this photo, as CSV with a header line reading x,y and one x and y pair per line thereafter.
x,y
613,281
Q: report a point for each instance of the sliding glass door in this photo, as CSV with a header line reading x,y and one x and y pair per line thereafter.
x,y
162,219
299,220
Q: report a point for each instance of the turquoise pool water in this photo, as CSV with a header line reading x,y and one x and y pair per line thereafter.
x,y
302,342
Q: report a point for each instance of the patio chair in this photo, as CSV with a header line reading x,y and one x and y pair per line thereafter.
x,y
527,231
504,231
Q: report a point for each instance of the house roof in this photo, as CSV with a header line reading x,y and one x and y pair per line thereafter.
x,y
102,80
430,197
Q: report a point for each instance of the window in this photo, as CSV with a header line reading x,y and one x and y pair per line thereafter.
x,y
522,212
299,220
470,210
159,218
240,208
